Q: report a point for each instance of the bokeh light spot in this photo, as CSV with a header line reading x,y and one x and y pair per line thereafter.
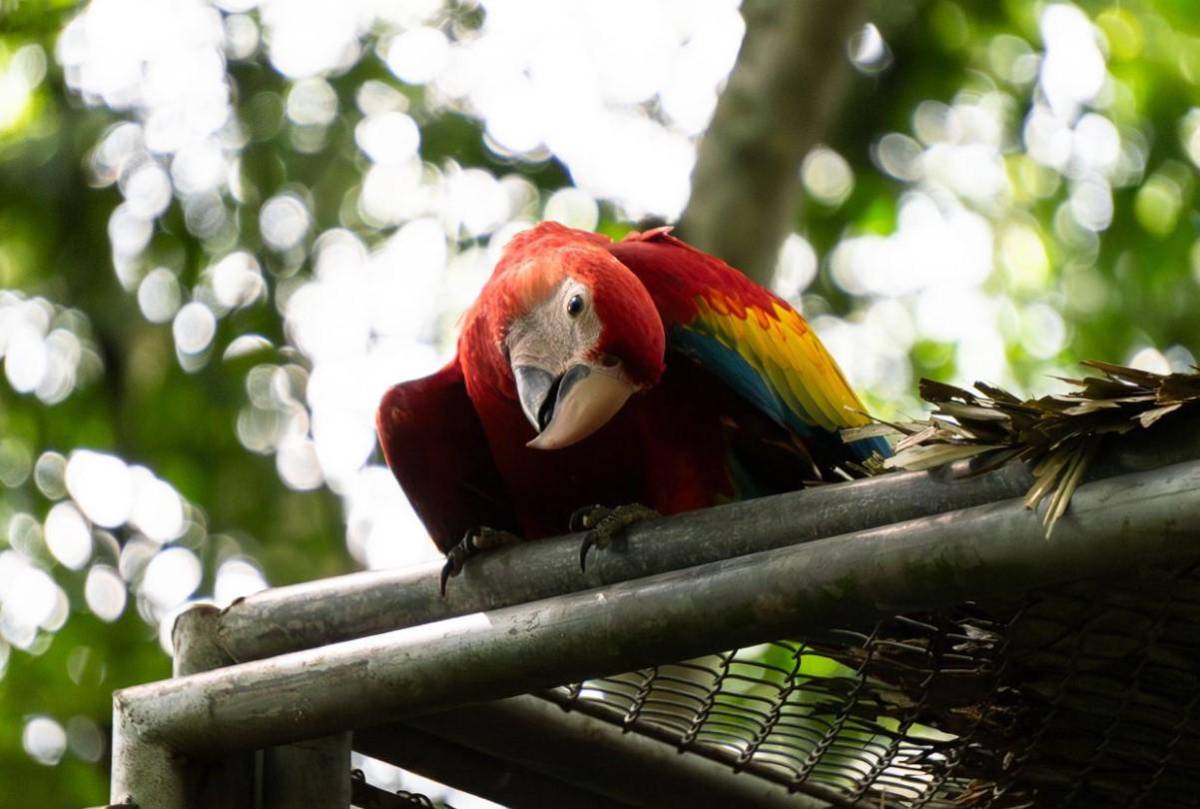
x,y
298,464
44,740
418,55
147,190
284,221
68,536
827,176
15,462
85,740
311,102
49,474
170,578
388,137
157,507
574,208
237,578
104,592
869,53
796,268
194,327
159,295
101,486
1149,359
1158,204
237,280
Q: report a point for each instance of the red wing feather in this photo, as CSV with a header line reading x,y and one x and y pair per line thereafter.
x,y
435,446
776,351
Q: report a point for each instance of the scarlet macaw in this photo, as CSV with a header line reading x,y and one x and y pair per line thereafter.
x,y
592,372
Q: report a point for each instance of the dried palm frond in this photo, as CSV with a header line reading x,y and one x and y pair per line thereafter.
x,y
1057,435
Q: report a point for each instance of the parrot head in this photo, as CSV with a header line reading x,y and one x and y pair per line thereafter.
x,y
577,330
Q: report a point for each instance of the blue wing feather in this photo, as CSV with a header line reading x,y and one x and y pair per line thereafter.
x,y
732,369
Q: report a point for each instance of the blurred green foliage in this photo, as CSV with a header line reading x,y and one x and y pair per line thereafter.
x,y
1131,284
1134,283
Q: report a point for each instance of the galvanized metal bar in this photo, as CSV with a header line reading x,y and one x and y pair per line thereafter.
x,y
312,614
367,796
313,773
160,778
144,774
595,755
925,563
221,782
503,779
194,641
305,616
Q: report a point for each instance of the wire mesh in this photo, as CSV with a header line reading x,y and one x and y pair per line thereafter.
x,y
1084,695
364,795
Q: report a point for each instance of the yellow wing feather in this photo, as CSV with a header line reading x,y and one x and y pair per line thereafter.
x,y
789,357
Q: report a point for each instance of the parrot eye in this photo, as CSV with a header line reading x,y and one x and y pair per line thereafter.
x,y
575,305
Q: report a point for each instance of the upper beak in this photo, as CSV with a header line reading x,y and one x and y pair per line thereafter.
x,y
569,408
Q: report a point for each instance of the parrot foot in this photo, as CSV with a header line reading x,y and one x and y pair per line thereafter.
x,y
474,542
604,524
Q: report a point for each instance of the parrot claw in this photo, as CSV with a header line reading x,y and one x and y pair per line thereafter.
x,y
453,566
604,524
588,541
474,542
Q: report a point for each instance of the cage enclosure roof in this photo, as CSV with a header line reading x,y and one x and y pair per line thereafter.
x,y
938,650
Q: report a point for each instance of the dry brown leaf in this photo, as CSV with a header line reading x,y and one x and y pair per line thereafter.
x,y
1058,435
880,430
929,456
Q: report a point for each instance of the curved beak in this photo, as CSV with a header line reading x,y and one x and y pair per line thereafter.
x,y
569,408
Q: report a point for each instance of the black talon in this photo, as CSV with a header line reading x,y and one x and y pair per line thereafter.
x,y
474,541
456,558
603,524
588,542
447,572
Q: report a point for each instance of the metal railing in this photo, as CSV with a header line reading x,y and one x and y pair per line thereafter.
x,y
317,661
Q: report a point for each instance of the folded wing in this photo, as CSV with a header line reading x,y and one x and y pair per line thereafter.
x,y
435,446
750,339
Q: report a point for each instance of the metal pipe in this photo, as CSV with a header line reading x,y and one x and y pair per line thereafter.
x,y
227,781
314,773
925,563
598,756
162,780
303,616
287,619
194,641
517,784
369,796
144,774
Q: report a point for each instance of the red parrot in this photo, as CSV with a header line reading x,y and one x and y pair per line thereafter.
x,y
638,372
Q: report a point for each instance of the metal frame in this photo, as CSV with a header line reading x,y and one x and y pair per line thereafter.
x,y
354,652
582,761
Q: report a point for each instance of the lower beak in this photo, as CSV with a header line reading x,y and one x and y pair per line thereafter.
x,y
569,408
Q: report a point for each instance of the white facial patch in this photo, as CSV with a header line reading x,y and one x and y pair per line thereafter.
x,y
557,333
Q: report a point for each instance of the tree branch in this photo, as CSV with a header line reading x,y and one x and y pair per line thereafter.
x,y
783,91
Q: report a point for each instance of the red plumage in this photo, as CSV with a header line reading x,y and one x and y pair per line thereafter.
x,y
699,431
